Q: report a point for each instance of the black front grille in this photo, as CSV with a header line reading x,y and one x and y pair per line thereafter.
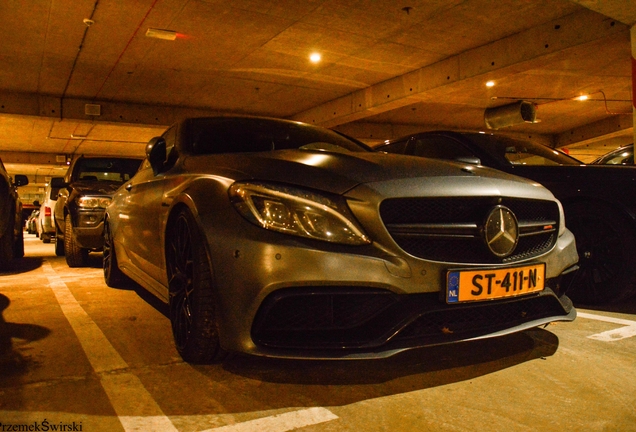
x,y
449,229
342,318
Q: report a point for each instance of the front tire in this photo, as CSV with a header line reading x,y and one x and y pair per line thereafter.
x,y
113,276
75,255
191,296
606,244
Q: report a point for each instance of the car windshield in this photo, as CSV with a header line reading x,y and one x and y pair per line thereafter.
x,y
106,169
232,135
516,152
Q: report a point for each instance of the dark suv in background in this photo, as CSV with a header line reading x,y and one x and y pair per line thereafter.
x,y
85,192
11,231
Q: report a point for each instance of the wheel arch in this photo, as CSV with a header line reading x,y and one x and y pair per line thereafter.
x,y
186,203
198,195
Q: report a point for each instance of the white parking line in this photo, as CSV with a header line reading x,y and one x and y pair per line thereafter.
x,y
628,330
281,422
135,407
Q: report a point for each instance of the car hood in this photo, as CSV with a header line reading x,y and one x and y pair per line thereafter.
x,y
95,188
334,171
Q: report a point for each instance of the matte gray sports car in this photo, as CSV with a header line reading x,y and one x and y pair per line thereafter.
x,y
282,239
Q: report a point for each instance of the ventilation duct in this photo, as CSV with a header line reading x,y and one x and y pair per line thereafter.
x,y
512,114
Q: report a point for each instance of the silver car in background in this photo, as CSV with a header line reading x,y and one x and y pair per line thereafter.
x,y
46,224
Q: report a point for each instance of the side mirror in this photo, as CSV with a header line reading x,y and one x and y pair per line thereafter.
x,y
21,180
156,154
58,183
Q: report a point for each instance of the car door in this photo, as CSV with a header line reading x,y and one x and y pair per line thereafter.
x,y
142,217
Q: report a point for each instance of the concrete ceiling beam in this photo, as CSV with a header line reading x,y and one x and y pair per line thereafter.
x,y
9,157
611,127
26,104
513,54
620,10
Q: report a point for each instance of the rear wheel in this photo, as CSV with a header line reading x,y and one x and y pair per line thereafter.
x,y
46,237
191,297
113,276
606,244
75,255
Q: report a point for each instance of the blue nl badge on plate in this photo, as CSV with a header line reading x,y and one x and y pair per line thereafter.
x,y
452,287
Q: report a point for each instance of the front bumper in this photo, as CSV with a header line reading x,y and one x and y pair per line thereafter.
x,y
306,323
281,298
89,229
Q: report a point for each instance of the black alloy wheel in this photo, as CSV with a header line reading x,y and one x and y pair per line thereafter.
x,y
607,252
113,276
191,295
75,255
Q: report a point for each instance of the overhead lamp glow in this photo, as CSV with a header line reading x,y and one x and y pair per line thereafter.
x,y
315,57
161,34
490,84
582,97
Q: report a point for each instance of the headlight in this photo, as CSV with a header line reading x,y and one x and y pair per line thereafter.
x,y
297,212
93,202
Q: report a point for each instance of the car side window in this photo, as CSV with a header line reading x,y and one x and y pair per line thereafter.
x,y
624,158
439,147
522,155
396,147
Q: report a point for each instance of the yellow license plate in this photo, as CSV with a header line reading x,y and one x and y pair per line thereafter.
x,y
486,284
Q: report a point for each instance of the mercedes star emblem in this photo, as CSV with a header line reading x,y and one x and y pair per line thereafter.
x,y
501,231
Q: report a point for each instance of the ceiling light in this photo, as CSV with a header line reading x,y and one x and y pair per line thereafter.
x,y
315,57
161,34
490,84
582,97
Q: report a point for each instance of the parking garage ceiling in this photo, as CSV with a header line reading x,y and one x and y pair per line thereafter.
x,y
83,77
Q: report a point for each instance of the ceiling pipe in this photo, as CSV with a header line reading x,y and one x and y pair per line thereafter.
x,y
511,114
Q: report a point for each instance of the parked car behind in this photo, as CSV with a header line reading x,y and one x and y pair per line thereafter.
x,y
46,225
278,238
11,228
599,201
621,156
85,192
31,223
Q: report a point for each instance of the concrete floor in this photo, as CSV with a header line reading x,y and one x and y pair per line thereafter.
x,y
77,355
